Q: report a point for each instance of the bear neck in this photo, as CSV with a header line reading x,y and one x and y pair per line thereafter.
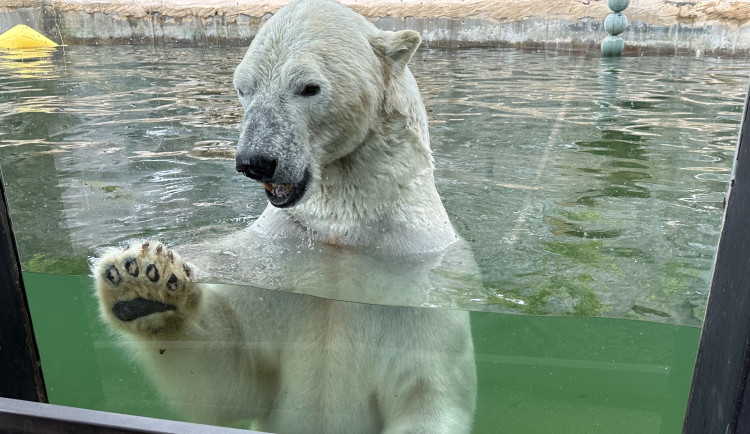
x,y
382,195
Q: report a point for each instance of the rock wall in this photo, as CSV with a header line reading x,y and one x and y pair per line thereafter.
x,y
718,27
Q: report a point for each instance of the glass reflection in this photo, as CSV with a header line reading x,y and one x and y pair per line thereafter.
x,y
621,221
30,63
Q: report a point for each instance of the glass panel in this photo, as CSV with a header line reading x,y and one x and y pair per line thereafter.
x,y
589,192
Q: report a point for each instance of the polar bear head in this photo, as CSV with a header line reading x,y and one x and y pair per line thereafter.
x,y
315,83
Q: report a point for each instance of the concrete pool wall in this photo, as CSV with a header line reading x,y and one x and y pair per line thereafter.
x,y
715,27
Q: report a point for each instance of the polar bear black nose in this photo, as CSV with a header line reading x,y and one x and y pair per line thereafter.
x,y
257,168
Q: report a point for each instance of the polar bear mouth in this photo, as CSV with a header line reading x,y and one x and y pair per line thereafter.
x,y
279,191
282,195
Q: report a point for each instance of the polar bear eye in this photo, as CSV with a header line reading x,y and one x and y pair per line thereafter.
x,y
310,90
240,93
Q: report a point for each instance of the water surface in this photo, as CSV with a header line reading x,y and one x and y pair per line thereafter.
x,y
584,186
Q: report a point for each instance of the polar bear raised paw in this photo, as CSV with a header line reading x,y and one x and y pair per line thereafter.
x,y
145,288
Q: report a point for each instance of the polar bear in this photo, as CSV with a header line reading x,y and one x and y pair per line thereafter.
x,y
336,331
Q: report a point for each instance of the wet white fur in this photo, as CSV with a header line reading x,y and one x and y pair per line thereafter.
x,y
295,363
366,133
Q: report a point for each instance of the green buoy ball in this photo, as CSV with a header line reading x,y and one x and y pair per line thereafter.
x,y
618,5
612,46
615,23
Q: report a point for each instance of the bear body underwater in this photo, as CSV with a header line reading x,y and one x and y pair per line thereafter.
x,y
336,132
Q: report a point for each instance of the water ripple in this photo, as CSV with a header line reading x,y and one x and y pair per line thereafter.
x,y
585,186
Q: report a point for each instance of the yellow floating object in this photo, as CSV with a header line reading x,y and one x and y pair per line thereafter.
x,y
22,36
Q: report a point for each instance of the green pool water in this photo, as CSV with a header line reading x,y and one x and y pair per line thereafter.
x,y
536,374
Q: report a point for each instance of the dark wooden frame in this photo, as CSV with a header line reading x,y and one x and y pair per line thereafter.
x,y
719,399
20,369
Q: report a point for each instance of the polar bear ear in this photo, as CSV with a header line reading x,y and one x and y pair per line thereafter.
x,y
396,47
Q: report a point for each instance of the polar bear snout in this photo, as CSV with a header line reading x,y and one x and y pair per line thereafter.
x,y
257,167
282,188
270,152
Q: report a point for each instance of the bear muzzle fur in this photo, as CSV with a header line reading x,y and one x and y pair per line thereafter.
x,y
267,153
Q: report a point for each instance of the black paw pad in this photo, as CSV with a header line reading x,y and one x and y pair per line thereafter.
x,y
152,273
113,275
131,266
172,283
133,309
